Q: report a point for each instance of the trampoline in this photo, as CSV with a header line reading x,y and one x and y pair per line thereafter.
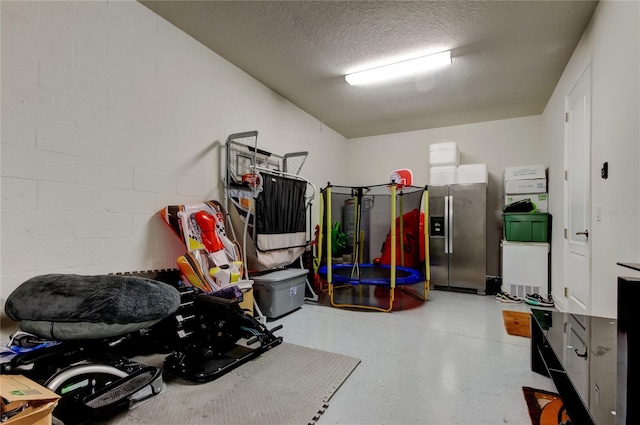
x,y
373,241
372,275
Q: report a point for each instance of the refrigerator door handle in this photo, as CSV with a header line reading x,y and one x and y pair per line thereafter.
x,y
450,224
446,224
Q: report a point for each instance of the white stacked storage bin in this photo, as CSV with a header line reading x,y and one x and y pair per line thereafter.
x,y
441,176
446,153
525,179
526,182
472,173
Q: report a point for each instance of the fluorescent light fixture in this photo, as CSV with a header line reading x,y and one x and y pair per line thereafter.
x,y
400,69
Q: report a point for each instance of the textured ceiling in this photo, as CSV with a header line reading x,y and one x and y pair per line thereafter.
x,y
507,55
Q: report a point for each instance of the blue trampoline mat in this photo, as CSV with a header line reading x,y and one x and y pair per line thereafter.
x,y
373,275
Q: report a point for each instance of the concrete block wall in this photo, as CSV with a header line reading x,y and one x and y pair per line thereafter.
x,y
109,113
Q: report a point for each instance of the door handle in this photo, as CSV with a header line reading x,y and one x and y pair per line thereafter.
x,y
451,224
446,224
583,355
585,233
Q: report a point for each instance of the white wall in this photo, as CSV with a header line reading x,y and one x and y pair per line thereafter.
x,y
110,113
499,144
611,44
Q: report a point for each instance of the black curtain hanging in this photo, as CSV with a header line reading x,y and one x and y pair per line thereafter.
x,y
280,207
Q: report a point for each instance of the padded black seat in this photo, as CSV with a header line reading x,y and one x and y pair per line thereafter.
x,y
76,307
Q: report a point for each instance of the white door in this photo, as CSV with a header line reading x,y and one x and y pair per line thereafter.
x,y
578,195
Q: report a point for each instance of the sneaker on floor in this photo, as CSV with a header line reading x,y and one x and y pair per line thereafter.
x,y
508,298
539,300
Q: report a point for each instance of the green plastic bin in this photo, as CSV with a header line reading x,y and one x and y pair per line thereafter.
x,y
526,227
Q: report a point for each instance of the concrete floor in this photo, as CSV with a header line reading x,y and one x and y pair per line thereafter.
x,y
448,361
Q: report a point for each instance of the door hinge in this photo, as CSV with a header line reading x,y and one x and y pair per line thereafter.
x,y
566,175
566,117
565,233
566,291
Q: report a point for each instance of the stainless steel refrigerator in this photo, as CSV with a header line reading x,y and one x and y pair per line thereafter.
x,y
458,236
